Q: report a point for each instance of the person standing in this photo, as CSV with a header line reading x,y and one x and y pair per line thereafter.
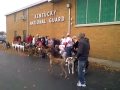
x,y
87,62
75,47
75,44
69,45
33,41
82,56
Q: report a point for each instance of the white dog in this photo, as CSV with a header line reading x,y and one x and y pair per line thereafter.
x,y
70,61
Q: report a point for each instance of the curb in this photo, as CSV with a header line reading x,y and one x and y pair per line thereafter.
x,y
106,64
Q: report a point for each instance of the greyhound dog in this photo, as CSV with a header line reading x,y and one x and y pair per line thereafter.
x,y
56,61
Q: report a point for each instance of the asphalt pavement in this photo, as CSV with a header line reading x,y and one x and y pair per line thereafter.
x,y
20,72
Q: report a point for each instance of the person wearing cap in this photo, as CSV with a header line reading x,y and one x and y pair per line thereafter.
x,y
82,56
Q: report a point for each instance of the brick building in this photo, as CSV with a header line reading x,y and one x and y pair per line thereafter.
x,y
98,19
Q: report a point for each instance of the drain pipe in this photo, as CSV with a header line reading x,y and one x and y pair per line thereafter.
x,y
69,17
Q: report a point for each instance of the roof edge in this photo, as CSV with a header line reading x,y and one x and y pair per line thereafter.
x,y
31,5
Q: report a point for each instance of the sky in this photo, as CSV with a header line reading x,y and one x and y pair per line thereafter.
x,y
7,6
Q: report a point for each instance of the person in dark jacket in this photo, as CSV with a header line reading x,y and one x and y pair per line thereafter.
x,y
87,62
82,56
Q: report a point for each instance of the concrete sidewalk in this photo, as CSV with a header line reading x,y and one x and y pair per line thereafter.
x,y
114,65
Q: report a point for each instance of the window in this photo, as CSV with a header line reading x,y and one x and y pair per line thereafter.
x,y
81,11
107,10
24,12
15,17
97,12
93,11
118,10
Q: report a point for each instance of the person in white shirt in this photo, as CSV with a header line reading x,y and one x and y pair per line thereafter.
x,y
69,44
63,40
33,40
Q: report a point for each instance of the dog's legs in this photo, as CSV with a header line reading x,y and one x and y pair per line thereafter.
x,y
62,73
73,68
50,68
63,69
69,68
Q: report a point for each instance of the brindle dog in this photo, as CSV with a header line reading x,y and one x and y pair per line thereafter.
x,y
56,61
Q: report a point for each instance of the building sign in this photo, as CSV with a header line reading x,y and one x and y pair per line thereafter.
x,y
41,18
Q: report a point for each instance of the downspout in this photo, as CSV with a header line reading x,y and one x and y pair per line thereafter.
x,y
69,21
69,16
